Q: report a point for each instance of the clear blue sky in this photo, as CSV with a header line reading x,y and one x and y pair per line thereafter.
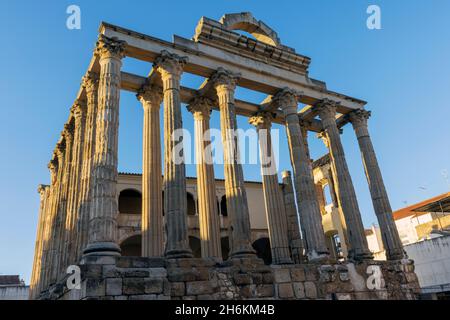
x,y
403,71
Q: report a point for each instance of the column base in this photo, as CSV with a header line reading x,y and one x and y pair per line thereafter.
x,y
102,249
179,253
359,256
243,253
396,255
314,256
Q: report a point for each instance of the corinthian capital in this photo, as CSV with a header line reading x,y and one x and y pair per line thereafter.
x,y
68,131
224,79
261,120
359,117
79,109
150,95
109,47
286,99
90,81
326,109
60,150
169,64
41,189
53,165
200,107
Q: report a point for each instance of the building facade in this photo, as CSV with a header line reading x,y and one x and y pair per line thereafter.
x,y
80,221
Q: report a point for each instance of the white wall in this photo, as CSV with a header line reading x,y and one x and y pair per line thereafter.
x,y
407,227
14,293
432,261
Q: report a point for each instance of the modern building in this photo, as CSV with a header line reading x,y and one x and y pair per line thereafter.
x,y
13,288
424,230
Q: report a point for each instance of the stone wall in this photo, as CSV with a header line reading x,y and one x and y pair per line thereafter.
x,y
134,278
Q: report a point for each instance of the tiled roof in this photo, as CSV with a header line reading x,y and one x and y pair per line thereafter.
x,y
408,211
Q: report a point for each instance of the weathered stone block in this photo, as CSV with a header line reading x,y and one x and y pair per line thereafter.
x,y
153,285
299,290
181,274
93,288
282,275
198,287
158,272
310,290
257,278
91,271
114,286
177,289
142,297
242,279
285,291
247,291
298,274
98,260
268,278
133,286
110,271
121,298
265,290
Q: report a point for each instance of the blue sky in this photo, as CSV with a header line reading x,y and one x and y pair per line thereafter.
x,y
402,70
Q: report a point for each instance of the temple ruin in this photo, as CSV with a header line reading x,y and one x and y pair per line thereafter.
x,y
79,210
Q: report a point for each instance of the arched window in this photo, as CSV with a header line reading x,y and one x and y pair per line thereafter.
x,y
190,204
327,194
223,206
130,202
131,247
262,248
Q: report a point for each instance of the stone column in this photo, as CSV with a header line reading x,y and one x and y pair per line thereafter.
x,y
207,200
293,230
238,215
90,85
273,197
170,67
68,133
78,112
53,250
35,275
358,248
49,226
152,207
104,207
308,206
380,200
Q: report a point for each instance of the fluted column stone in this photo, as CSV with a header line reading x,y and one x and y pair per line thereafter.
x,y
293,231
104,206
52,270
90,85
308,206
357,242
170,67
38,248
78,112
239,220
206,186
380,199
49,223
68,134
152,206
273,197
